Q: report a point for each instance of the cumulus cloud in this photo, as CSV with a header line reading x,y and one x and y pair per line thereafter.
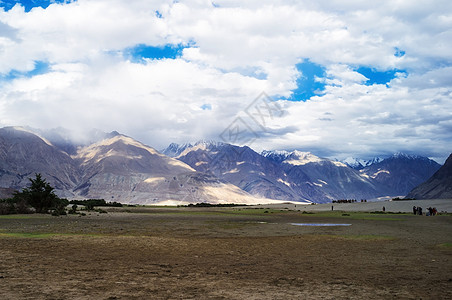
x,y
233,51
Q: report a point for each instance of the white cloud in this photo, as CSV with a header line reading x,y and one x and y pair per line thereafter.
x,y
239,50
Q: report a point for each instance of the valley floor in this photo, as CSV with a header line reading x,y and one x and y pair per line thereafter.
x,y
406,206
225,253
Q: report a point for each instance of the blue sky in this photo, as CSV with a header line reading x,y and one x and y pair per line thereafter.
x,y
310,82
29,4
379,77
350,79
139,53
39,67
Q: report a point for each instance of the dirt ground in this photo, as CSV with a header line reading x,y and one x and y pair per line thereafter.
x,y
442,205
225,253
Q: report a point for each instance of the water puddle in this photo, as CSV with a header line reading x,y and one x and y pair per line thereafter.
x,y
319,224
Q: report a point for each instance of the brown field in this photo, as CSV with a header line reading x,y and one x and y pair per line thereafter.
x,y
225,253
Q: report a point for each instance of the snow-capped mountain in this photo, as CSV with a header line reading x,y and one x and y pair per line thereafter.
x,y
117,168
174,149
277,156
125,170
286,175
400,173
299,158
323,179
242,167
358,164
302,175
439,186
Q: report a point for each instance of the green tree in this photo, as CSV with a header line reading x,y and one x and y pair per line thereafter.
x,y
41,196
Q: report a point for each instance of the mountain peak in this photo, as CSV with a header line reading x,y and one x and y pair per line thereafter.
x,y
175,150
110,147
277,156
20,129
275,152
359,164
209,143
298,158
354,163
113,133
404,155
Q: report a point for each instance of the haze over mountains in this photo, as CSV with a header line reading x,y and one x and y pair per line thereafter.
x,y
118,168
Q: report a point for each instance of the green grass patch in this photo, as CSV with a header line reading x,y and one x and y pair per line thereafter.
x,y
187,213
24,217
230,225
358,215
354,237
446,245
372,218
155,206
254,211
217,212
27,235
368,237
35,235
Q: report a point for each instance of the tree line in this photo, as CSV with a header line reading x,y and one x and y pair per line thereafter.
x,y
40,197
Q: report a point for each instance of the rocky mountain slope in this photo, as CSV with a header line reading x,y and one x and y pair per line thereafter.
x,y
439,186
303,176
242,167
124,170
323,179
117,168
399,173
23,153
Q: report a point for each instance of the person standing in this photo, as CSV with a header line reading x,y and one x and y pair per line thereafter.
x,y
414,210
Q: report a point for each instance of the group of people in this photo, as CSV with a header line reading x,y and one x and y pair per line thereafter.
x,y
430,211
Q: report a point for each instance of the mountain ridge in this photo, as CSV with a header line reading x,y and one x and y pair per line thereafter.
x,y
117,168
439,186
314,178
242,167
120,168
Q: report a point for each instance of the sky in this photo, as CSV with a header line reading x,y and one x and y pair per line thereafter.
x,y
337,78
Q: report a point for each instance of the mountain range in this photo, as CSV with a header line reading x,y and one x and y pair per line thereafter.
x,y
303,176
118,168
115,168
439,186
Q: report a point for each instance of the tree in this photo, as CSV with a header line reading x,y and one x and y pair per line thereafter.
x,y
40,195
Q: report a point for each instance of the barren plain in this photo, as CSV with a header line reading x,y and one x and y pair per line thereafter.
x,y
225,253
